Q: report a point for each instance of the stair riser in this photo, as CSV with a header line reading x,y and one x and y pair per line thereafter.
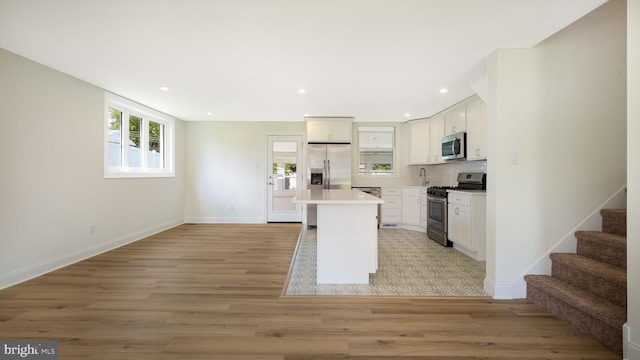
x,y
613,254
605,333
607,289
614,222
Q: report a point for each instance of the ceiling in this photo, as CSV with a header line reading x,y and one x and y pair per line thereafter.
x,y
246,60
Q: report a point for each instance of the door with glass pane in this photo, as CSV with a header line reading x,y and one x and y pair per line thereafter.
x,y
284,178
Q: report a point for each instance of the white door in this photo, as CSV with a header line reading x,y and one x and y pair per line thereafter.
x,y
284,178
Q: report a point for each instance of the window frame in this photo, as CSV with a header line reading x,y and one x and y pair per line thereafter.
x,y
129,108
395,173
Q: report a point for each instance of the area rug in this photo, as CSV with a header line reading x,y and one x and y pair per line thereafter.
x,y
409,264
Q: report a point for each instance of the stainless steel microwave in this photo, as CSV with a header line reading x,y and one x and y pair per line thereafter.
x,y
454,146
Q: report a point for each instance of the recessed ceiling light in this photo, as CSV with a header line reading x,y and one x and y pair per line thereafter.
x,y
164,88
302,91
209,113
306,115
443,91
407,114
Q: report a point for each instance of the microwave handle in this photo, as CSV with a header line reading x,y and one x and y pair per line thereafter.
x,y
453,147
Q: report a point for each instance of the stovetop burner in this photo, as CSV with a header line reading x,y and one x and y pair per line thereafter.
x,y
466,181
439,191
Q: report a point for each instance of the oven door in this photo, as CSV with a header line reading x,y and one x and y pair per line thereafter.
x,y
437,213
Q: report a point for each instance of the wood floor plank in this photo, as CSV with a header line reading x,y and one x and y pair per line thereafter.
x,y
215,292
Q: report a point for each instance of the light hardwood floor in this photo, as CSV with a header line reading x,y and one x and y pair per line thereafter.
x,y
214,292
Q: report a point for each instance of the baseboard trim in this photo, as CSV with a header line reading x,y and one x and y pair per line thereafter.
x,y
32,271
224,220
631,350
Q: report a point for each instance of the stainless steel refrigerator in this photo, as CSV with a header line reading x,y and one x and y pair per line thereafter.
x,y
328,167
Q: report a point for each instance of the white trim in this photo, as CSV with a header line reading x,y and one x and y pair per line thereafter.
x,y
503,291
129,107
225,220
35,270
631,351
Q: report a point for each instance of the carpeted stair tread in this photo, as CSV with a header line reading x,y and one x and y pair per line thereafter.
x,y
614,221
584,311
602,246
606,281
588,289
594,267
611,314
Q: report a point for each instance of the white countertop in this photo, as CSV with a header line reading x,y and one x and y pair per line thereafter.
x,y
335,196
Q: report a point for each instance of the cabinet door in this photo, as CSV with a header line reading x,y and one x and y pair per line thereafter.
x,y
329,130
436,132
477,130
419,150
459,226
340,130
318,130
456,120
411,210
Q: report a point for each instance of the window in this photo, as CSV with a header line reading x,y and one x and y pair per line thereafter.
x,y
376,149
138,140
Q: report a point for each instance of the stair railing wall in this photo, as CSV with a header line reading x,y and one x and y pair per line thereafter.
x,y
568,243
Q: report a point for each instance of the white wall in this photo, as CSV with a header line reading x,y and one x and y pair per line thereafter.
x,y
226,169
52,187
557,149
633,179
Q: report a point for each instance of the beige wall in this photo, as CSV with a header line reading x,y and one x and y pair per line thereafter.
x,y
226,169
557,149
52,187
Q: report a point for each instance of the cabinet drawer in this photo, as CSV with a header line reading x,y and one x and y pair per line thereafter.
x,y
391,191
391,216
410,192
459,199
392,202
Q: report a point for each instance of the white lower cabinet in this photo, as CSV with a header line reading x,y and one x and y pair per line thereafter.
x,y
404,206
391,209
466,216
411,206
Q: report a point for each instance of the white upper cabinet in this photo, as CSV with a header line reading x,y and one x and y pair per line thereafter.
x,y
436,133
419,150
329,130
456,120
477,130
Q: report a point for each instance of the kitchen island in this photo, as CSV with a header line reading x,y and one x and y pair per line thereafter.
x,y
347,234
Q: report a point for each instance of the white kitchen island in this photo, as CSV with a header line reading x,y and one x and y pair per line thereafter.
x,y
347,234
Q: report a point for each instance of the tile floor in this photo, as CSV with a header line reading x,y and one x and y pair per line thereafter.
x,y
408,265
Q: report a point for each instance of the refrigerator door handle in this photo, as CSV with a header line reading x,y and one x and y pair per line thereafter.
x,y
325,178
329,174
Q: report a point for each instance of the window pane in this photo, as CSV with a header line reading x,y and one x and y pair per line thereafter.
x,y
134,141
376,147
284,170
155,156
115,137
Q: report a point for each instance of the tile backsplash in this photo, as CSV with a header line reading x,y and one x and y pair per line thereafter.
x,y
445,174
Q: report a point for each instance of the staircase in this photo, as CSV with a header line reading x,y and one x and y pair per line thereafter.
x,y
589,289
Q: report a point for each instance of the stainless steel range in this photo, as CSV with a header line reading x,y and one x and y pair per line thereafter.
x,y
437,204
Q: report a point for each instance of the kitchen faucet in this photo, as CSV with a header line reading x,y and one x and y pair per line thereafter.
x,y
423,175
